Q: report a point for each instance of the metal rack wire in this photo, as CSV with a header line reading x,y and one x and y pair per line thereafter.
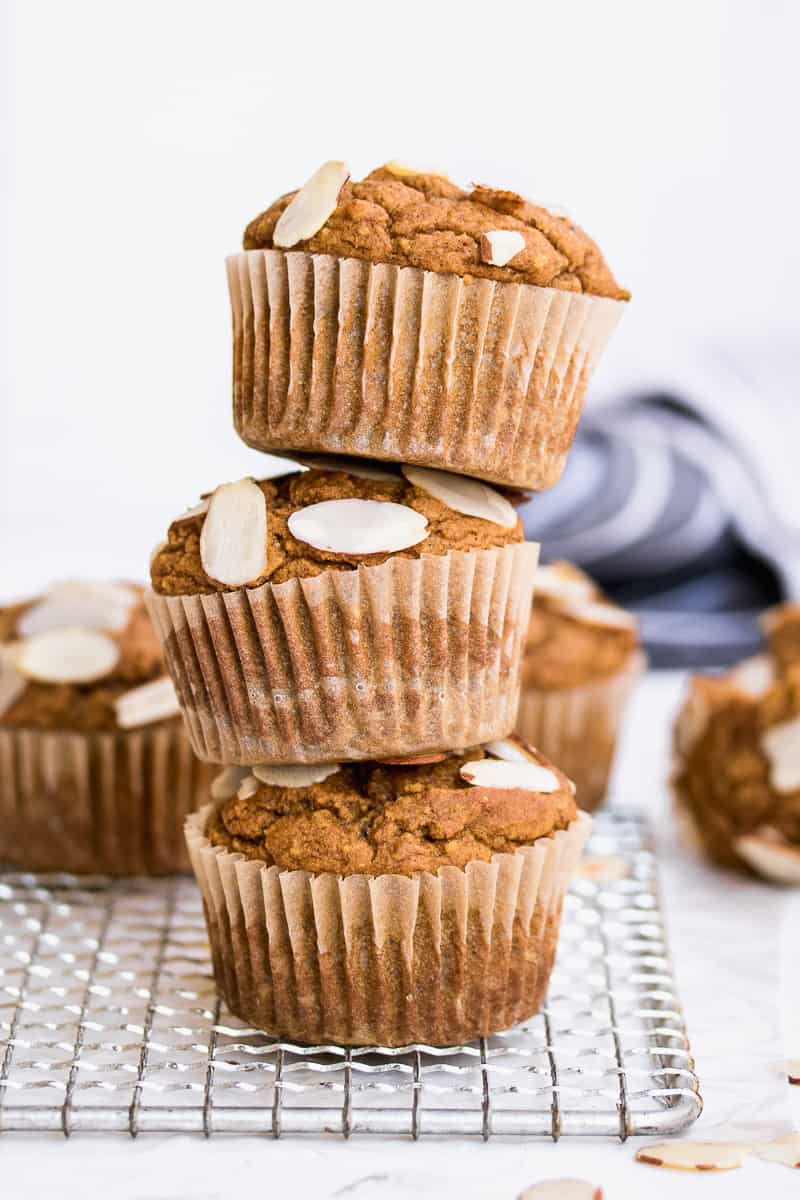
x,y
109,1021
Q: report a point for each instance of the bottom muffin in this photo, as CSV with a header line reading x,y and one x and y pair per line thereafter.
x,y
388,903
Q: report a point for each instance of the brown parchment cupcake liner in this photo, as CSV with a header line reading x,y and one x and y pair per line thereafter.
x,y
390,959
406,657
396,363
577,727
109,803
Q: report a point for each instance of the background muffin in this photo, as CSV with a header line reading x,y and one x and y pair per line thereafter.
x,y
96,773
330,615
387,904
582,657
737,758
402,318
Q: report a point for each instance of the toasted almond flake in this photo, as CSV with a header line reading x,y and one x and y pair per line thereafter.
x,y
415,760
310,208
196,511
499,246
597,613
694,1156
467,496
793,1071
358,527
512,749
12,685
155,701
562,1189
777,862
784,1150
225,785
67,656
605,868
754,675
248,787
362,470
233,540
300,775
551,580
400,169
781,745
496,773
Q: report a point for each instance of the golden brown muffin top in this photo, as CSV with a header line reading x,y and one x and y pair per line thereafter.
x,y
177,566
78,706
575,633
374,818
413,219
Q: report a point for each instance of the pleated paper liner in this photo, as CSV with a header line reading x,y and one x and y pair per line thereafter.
x,y
578,727
410,656
396,363
108,803
385,960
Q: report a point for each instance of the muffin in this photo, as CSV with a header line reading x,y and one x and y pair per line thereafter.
x,y
385,904
582,657
401,318
96,773
330,615
736,776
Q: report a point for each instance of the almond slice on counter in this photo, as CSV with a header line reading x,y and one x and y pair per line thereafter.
x,y
512,749
233,540
67,656
781,745
754,675
358,526
597,613
248,787
495,773
12,684
309,209
225,785
550,580
562,1189
784,1150
770,856
463,495
694,1156
499,246
362,470
154,701
299,775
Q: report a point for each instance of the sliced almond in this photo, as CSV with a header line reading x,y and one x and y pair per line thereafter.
x,y
300,775
400,169
772,859
362,470
225,785
12,685
562,1189
694,1156
496,773
79,605
358,526
464,495
755,675
553,580
499,246
309,209
415,760
608,615
155,701
233,540
67,656
248,787
512,749
784,1150
781,745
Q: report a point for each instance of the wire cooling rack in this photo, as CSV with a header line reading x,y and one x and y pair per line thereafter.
x,y
109,1021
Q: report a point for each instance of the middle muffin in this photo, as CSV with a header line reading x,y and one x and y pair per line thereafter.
x,y
337,615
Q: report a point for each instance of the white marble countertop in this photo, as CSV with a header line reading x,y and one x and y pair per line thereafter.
x,y
734,982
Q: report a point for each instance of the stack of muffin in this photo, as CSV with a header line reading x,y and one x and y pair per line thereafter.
x,y
383,863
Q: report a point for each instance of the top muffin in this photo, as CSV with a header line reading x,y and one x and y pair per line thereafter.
x,y
413,219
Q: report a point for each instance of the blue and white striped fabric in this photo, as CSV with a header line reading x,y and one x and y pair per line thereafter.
x,y
682,497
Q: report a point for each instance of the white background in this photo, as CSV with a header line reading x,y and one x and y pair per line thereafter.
x,y
143,137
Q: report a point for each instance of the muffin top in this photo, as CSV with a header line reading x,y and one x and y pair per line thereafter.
x,y
575,633
737,756
324,519
83,656
378,818
416,219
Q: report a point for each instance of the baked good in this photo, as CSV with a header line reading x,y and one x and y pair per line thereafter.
x,y
96,773
330,615
386,904
402,318
736,775
582,657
